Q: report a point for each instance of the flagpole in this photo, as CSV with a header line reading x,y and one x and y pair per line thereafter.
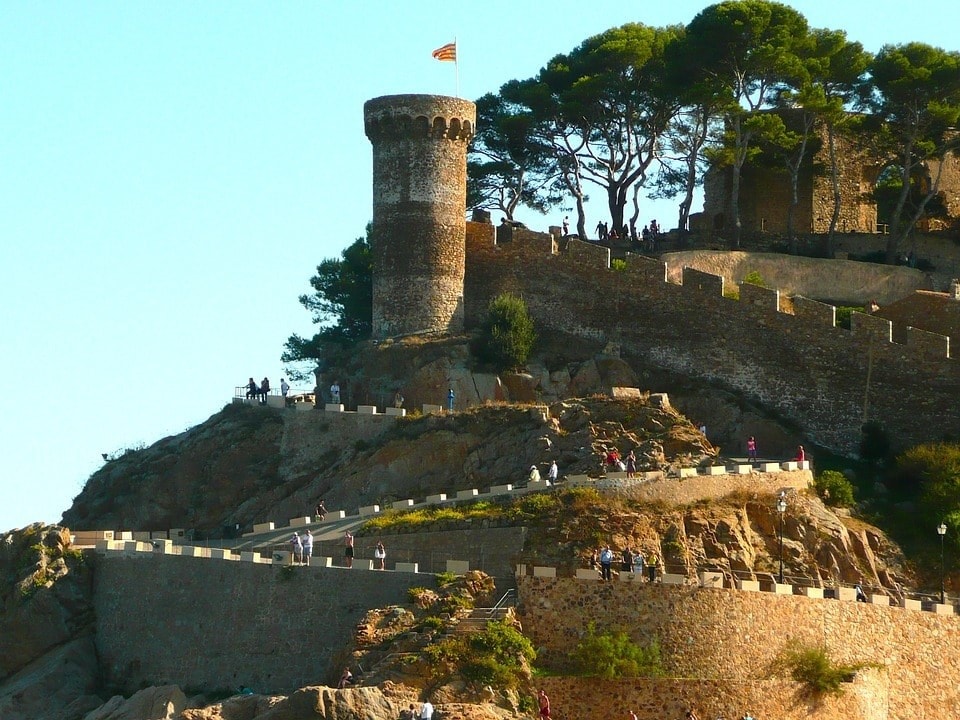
x,y
456,64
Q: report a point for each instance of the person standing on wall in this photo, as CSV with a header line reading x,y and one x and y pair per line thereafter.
x,y
335,393
553,473
653,564
566,225
307,542
450,398
296,548
606,559
348,548
380,554
752,449
284,387
264,391
321,511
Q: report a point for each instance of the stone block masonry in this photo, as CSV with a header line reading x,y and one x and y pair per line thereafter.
x,y
166,619
419,192
800,366
733,636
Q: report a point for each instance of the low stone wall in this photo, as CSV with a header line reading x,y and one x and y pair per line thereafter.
x,y
573,698
679,491
731,635
196,622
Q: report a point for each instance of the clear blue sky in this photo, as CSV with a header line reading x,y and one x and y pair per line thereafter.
x,y
172,172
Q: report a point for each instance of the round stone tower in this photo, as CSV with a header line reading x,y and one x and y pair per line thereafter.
x,y
419,211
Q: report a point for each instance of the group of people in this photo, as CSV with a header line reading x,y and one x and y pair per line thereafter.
x,y
379,552
552,474
631,561
261,391
650,234
301,547
614,462
426,712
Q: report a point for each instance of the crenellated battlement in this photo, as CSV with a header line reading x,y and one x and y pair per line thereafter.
x,y
419,117
788,354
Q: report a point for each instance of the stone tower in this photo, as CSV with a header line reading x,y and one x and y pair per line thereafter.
x,y
419,211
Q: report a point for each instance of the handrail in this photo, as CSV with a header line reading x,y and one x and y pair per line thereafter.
x,y
511,592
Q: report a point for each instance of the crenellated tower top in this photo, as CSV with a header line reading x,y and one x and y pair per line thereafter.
x,y
419,116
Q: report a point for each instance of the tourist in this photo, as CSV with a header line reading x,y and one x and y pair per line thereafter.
x,y
398,400
534,476
566,225
380,554
553,473
647,237
612,459
861,595
348,548
284,387
638,564
252,389
703,429
321,511
450,398
653,563
335,393
307,542
801,454
631,465
752,449
627,565
264,391
426,710
296,548
606,559
346,678
544,702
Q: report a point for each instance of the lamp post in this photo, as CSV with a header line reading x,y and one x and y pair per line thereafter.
x,y
781,508
941,531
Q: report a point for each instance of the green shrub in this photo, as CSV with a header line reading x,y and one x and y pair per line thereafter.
x,y
618,265
843,315
612,654
932,472
507,336
834,488
754,278
497,655
431,622
445,578
813,666
415,593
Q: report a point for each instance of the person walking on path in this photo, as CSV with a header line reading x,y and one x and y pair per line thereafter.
x,y
321,511
348,547
751,449
450,398
380,554
553,473
307,542
296,548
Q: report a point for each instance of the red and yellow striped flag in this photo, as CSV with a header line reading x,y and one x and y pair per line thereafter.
x,y
446,52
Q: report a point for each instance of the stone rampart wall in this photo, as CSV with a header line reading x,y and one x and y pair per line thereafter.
x,y
654,699
196,622
813,372
720,634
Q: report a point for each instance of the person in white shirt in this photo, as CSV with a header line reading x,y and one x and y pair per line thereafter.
x,y
307,542
335,393
426,710
284,387
534,476
553,473
296,547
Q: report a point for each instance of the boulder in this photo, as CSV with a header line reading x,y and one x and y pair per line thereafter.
x,y
153,703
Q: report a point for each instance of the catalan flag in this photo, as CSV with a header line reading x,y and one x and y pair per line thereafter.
x,y
446,52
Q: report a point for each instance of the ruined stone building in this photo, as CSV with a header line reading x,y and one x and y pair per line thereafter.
x,y
765,192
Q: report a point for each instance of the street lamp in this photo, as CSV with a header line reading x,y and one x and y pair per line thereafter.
x,y
781,508
941,531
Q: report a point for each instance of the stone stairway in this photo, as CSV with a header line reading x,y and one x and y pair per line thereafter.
x,y
479,618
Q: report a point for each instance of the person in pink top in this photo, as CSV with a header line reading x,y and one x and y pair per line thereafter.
x,y
751,449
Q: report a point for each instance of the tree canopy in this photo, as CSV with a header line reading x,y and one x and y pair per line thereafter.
x,y
641,110
341,302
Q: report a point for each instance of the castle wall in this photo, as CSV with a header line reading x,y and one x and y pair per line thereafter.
x,y
419,192
808,370
166,619
718,634
572,698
